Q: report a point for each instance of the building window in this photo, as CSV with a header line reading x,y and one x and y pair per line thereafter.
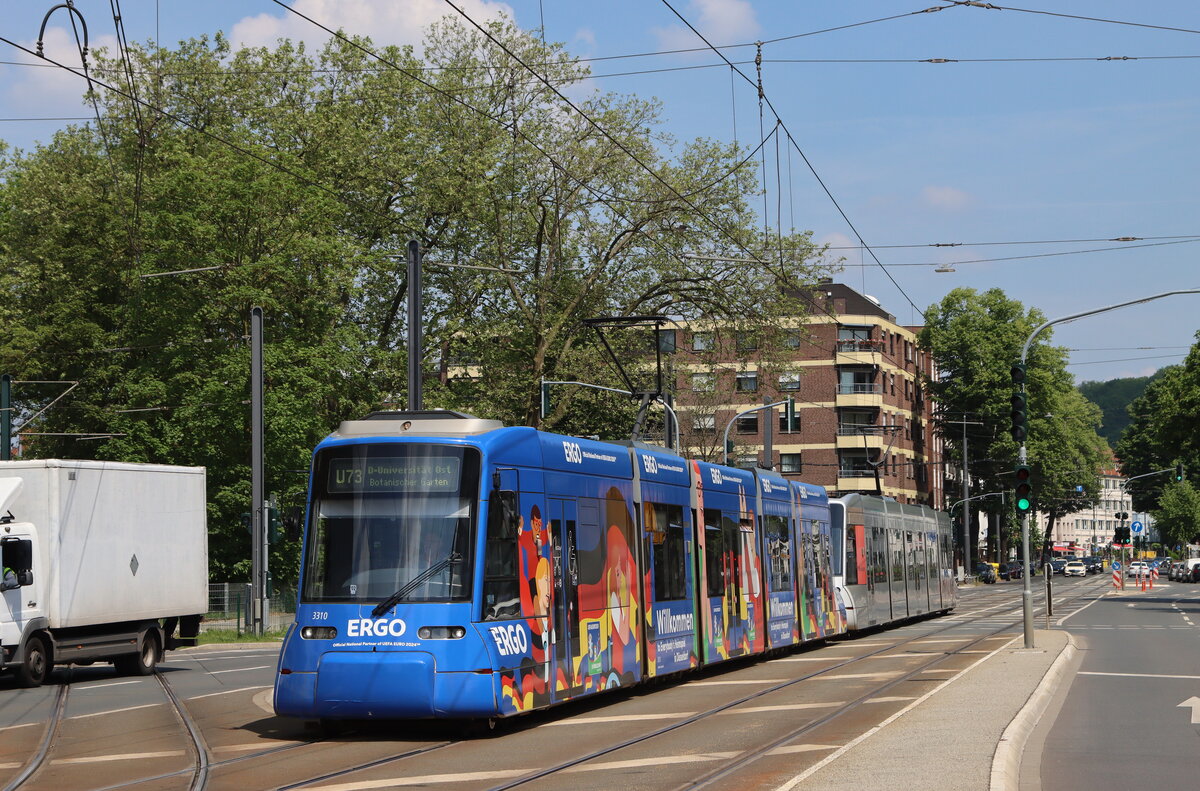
x,y
790,462
748,424
792,340
783,423
747,381
851,380
746,341
789,382
857,339
704,424
666,341
702,341
704,383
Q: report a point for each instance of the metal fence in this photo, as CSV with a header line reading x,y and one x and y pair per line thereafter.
x,y
229,607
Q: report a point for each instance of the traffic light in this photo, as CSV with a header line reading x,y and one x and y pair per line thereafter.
x,y
1018,374
1024,490
1121,535
545,400
1178,472
1020,416
273,523
789,410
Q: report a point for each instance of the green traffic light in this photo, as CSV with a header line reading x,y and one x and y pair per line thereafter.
x,y
1022,504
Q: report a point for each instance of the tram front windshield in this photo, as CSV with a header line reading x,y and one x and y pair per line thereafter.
x,y
392,519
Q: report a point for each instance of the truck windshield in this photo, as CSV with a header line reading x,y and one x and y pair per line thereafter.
x,y
385,517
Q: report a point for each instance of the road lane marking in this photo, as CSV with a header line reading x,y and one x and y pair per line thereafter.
x,y
95,759
237,748
229,691
841,676
892,699
813,658
802,748
1192,703
504,774
659,715
737,682
116,711
86,687
22,725
238,670
784,707
1136,675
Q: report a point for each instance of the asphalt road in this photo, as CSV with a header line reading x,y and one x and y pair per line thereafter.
x,y
1124,721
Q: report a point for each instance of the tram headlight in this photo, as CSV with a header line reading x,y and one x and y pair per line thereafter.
x,y
318,632
441,632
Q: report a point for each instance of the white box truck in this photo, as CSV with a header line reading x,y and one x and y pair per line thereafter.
x,y
103,561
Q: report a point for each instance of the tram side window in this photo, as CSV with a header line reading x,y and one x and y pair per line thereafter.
x,y
779,549
879,555
714,552
665,525
851,555
501,598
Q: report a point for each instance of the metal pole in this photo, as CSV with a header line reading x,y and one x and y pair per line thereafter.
x,y
1027,595
415,341
5,417
258,555
768,445
966,487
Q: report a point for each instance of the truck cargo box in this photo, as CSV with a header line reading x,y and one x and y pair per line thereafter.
x,y
118,541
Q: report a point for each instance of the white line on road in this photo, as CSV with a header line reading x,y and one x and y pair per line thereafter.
x,y
228,692
785,707
86,687
658,715
116,711
802,748
1135,675
737,682
95,759
237,670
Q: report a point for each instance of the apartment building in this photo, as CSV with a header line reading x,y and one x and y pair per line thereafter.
x,y
862,421
1089,532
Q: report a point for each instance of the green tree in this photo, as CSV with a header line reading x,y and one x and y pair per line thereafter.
x,y
975,339
301,176
1178,514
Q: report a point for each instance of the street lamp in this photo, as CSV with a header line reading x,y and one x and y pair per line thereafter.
x,y
1027,592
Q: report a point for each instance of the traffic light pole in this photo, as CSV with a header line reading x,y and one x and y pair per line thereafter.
x,y
1027,593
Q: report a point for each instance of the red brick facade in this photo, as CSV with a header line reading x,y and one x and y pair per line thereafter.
x,y
854,375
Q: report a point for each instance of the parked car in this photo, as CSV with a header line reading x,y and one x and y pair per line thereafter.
x,y
1075,568
1059,565
1191,571
986,572
1011,570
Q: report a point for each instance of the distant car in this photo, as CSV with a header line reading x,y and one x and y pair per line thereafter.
x,y
1191,571
1058,565
985,572
1095,564
1075,568
1011,570
1138,568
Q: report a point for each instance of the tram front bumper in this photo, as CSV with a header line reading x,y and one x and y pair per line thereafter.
x,y
383,685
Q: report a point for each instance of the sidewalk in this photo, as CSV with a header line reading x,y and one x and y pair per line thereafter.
x,y
967,734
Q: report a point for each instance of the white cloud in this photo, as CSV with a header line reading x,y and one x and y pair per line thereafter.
x,y
586,37
45,90
721,22
386,23
946,198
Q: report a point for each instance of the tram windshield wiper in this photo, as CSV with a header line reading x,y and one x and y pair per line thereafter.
x,y
452,559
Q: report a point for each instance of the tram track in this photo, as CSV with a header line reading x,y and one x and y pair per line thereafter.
x,y
36,760
748,757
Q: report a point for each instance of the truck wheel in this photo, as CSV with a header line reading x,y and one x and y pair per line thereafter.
x,y
36,664
143,662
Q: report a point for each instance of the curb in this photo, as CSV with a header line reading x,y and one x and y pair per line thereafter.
x,y
1006,761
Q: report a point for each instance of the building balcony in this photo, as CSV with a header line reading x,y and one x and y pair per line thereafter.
x,y
869,394
855,478
865,352
852,436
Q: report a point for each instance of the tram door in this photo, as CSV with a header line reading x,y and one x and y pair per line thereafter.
x,y
564,528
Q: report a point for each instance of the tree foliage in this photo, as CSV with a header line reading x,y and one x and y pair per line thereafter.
x,y
975,339
301,177
1164,431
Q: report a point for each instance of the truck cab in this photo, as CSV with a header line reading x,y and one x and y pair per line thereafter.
x,y
21,613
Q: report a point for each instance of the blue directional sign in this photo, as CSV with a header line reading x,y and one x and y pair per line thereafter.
x,y
1136,527
1116,566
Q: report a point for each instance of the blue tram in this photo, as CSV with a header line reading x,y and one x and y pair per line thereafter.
x,y
454,567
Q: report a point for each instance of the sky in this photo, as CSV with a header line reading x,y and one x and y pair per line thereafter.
x,y
1040,140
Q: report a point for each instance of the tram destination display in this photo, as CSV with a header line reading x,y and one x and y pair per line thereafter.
x,y
390,475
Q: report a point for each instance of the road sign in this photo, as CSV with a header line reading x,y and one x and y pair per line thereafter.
x,y
1116,566
1136,527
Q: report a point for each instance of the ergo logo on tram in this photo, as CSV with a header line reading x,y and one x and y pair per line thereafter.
x,y
367,627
